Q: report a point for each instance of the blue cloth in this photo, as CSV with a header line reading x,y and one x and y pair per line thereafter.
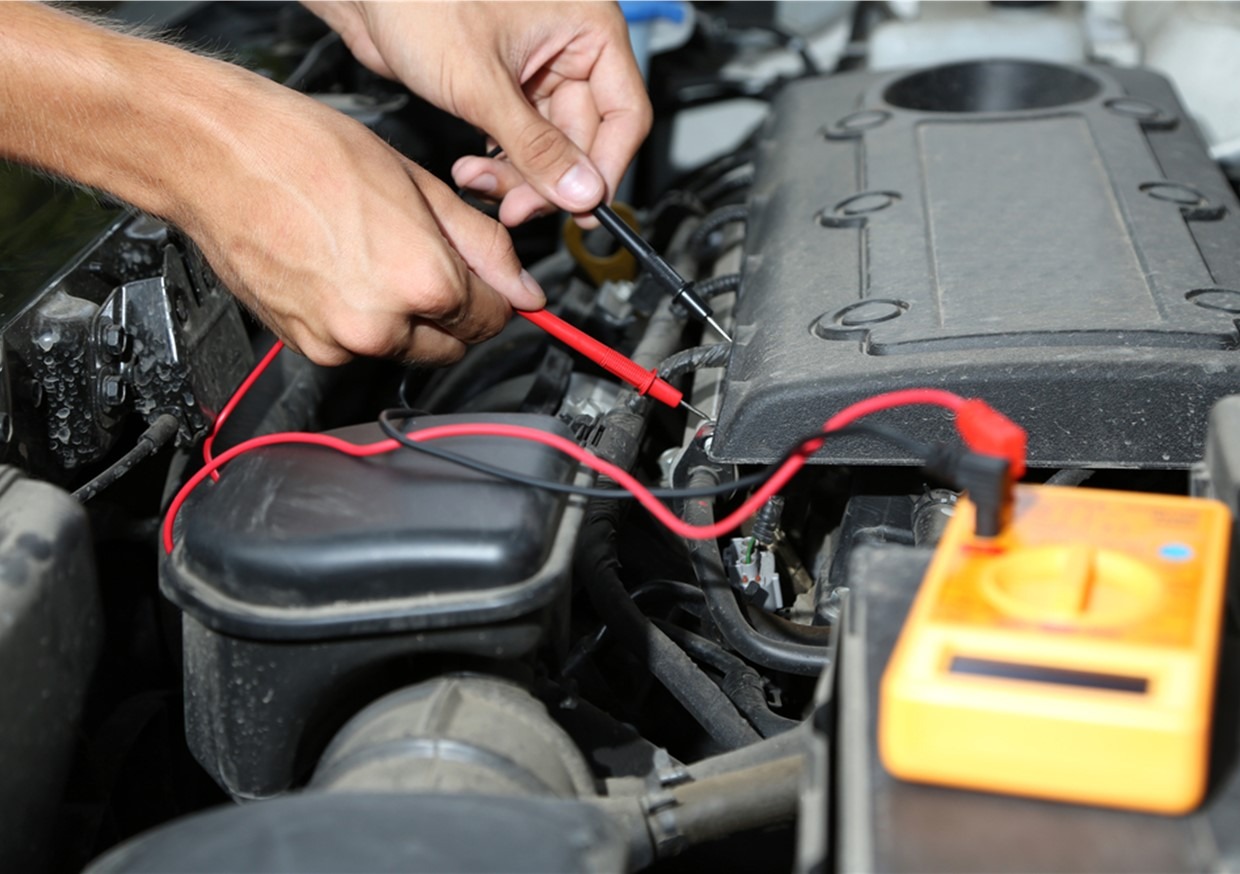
x,y
651,10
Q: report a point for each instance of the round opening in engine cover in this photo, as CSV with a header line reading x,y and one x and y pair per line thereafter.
x,y
991,86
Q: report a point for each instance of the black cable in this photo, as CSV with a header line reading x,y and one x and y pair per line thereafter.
x,y
676,199
617,494
695,358
703,177
717,285
714,221
753,480
737,180
708,91
154,438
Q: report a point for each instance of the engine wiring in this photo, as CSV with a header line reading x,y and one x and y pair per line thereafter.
x,y
391,430
991,430
153,439
242,390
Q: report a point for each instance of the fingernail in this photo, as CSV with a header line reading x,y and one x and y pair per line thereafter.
x,y
484,183
531,285
580,187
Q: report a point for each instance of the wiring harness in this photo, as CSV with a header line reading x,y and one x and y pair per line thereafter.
x,y
994,457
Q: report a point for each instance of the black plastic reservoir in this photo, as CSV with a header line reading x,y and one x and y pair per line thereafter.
x,y
51,630
312,581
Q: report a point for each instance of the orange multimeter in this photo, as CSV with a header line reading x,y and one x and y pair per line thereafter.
x,y
1071,657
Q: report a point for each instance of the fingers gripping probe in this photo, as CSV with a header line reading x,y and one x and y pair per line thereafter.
x,y
681,288
646,382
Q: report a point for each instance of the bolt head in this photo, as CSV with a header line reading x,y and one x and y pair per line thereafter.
x,y
115,339
112,390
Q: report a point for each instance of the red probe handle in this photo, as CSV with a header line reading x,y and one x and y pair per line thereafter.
x,y
645,381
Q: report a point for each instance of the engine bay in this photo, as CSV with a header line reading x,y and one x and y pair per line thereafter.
x,y
512,614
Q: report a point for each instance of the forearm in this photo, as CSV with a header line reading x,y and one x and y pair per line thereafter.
x,y
331,236
125,115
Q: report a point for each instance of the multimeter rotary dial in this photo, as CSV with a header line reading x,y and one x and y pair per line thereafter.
x,y
1076,585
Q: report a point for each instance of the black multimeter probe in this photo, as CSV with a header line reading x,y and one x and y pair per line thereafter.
x,y
665,274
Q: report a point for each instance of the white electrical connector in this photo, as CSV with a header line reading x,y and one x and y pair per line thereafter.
x,y
752,570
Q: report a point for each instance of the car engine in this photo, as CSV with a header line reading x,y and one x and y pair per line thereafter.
x,y
390,621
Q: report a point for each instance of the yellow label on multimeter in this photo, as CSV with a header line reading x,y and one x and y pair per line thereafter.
x,y
1072,657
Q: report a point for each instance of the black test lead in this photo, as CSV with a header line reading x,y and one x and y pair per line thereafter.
x,y
681,288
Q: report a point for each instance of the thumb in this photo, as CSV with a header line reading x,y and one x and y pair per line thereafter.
x,y
544,155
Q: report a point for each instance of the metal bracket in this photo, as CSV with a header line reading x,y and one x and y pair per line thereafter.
x,y
175,342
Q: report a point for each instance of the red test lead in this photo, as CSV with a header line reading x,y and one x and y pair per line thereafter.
x,y
647,382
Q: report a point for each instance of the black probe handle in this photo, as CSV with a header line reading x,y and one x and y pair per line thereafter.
x,y
642,251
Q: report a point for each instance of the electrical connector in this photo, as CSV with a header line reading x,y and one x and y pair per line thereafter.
x,y
989,432
987,479
751,568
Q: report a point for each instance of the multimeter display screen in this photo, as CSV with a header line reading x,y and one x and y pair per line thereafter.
x,y
1041,674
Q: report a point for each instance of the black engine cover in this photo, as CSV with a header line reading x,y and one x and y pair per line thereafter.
x,y
1055,240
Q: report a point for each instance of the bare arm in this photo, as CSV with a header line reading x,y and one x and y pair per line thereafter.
x,y
340,244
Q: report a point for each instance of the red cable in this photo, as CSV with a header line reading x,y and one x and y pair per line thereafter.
x,y
645,381
240,393
656,508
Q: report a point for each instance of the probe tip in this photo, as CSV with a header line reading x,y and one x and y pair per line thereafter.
x,y
718,330
692,409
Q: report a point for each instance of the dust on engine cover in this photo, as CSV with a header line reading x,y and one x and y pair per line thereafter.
x,y
1053,239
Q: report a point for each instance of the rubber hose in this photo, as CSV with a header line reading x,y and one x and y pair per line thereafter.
x,y
752,798
704,177
790,743
740,682
779,628
596,565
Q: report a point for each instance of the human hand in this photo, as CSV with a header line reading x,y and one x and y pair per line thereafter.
x,y
342,246
555,84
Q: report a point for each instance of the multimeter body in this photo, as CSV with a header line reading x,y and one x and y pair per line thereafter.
x,y
1071,657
